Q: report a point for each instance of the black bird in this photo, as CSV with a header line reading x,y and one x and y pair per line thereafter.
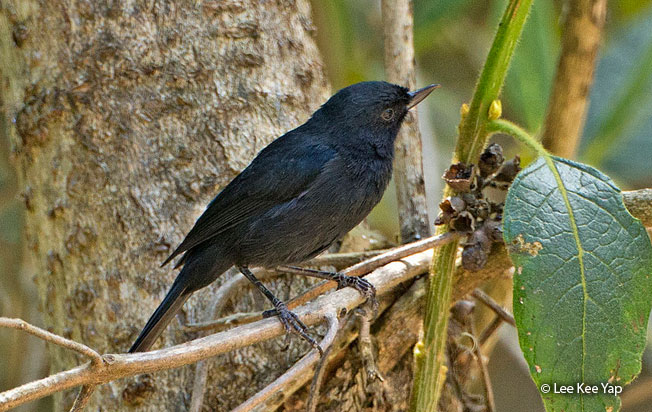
x,y
302,192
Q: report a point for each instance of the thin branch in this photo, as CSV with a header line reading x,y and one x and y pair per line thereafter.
x,y
375,262
315,385
499,310
366,347
306,363
408,161
96,359
83,398
199,386
490,403
572,84
118,366
490,329
343,260
236,319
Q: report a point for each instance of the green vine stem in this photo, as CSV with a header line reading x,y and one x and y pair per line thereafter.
x,y
517,132
430,351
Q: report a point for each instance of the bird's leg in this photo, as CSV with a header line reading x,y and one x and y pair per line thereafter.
x,y
343,281
290,321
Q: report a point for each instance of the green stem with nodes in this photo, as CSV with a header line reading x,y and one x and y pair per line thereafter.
x,y
430,351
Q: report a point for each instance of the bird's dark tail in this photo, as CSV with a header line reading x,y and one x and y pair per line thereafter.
x,y
174,300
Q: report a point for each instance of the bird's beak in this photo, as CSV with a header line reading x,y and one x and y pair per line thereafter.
x,y
418,95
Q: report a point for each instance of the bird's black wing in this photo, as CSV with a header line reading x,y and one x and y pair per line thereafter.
x,y
280,172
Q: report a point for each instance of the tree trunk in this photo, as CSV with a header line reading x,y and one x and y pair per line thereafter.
x,y
126,119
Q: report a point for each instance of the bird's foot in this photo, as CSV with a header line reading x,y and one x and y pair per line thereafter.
x,y
363,286
292,323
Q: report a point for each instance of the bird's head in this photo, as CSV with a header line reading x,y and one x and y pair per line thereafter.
x,y
371,111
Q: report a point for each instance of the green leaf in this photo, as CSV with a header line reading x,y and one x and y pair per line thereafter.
x,y
582,281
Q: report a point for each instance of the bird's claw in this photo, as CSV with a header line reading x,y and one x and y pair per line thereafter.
x,y
292,323
270,313
363,286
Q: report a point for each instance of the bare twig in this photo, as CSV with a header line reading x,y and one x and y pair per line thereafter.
x,y
375,262
490,403
499,310
220,299
490,329
96,359
118,366
408,162
236,319
366,347
315,386
199,386
572,84
342,260
306,363
82,399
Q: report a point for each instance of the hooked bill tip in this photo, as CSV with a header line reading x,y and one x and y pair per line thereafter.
x,y
418,95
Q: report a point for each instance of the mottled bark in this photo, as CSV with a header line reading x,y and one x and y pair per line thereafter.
x,y
127,118
408,164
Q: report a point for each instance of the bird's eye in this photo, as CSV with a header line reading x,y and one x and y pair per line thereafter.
x,y
387,115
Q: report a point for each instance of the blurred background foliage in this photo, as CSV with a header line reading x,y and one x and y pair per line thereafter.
x,y
452,38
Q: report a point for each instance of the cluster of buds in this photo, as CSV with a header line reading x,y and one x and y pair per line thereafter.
x,y
478,206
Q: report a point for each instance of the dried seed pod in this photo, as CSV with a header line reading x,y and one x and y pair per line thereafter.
x,y
460,177
463,222
442,219
476,250
453,205
470,199
509,170
480,237
494,230
450,207
491,160
474,258
481,209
